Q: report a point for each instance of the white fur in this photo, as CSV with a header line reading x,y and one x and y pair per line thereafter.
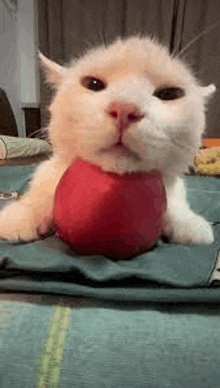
x,y
166,138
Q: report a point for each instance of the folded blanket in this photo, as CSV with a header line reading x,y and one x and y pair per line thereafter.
x,y
167,273
14,147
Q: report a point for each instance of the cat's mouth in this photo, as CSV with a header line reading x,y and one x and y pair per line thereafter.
x,y
120,149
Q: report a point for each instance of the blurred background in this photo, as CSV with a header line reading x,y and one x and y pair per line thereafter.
x,y
62,29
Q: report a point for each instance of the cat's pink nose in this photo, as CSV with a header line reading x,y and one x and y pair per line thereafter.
x,y
124,114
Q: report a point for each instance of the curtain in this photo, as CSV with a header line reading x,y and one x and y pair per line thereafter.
x,y
69,27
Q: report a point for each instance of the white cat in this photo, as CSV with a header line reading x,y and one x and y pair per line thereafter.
x,y
126,107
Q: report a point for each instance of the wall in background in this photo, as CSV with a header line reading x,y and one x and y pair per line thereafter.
x,y
27,32
18,65
9,69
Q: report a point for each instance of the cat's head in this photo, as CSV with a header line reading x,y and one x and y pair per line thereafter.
x,y
127,107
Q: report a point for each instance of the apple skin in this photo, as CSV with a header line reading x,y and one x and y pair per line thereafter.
x,y
98,212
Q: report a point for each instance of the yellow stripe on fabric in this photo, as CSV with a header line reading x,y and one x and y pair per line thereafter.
x,y
50,361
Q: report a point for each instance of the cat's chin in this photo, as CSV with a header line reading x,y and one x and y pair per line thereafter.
x,y
118,159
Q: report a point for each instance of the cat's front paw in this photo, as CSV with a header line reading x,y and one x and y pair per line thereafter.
x,y
191,230
18,222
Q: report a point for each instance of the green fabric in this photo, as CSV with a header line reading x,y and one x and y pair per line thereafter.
x,y
14,180
104,346
168,273
118,340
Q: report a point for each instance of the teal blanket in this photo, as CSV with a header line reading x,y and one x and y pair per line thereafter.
x,y
106,335
167,273
103,346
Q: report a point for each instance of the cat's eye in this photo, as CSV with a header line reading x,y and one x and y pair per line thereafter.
x,y
167,94
92,83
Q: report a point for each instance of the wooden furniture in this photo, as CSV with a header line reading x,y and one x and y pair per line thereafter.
x,y
8,124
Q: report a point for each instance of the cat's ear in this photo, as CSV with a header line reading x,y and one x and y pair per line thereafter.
x,y
54,72
207,91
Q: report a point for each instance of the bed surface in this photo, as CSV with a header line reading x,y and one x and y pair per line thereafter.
x,y
99,345
81,321
49,265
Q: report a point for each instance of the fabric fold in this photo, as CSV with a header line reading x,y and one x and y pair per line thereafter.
x,y
167,273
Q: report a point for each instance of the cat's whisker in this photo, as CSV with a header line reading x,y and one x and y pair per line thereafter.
x,y
41,133
179,54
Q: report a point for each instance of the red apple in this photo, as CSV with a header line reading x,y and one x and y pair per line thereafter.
x,y
99,212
